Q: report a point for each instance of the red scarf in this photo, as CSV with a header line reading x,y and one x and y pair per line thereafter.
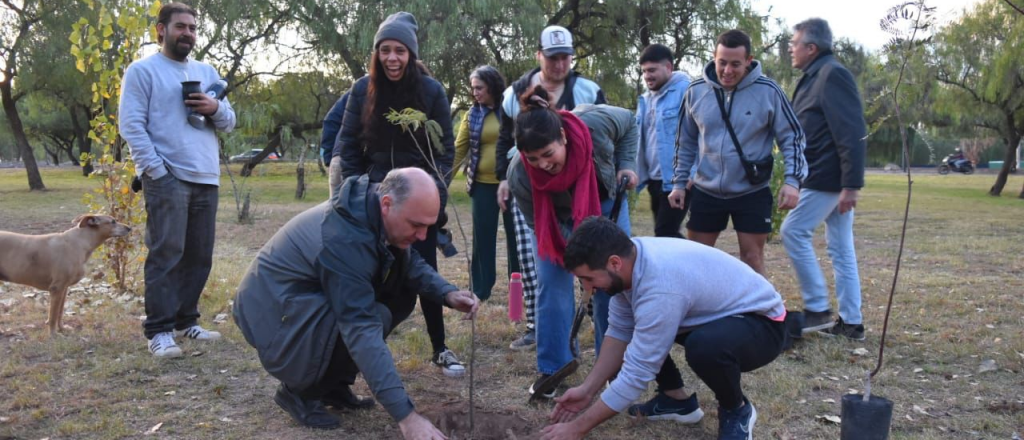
x,y
578,171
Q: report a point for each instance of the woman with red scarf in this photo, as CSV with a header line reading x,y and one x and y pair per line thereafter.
x,y
566,171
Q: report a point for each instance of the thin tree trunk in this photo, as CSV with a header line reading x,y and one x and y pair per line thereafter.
x,y
82,136
1009,159
300,175
35,180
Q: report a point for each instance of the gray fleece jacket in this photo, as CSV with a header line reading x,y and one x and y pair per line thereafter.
x,y
699,284
761,116
153,119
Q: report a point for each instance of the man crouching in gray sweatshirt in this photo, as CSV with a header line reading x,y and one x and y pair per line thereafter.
x,y
728,317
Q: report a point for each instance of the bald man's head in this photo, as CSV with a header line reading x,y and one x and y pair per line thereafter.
x,y
409,205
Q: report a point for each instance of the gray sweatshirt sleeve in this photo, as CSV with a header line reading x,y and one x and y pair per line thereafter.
x,y
224,117
627,141
653,335
789,136
133,118
686,143
351,297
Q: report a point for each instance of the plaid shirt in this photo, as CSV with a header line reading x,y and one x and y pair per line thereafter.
x,y
524,248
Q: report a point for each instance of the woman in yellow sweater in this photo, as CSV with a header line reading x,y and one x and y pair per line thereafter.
x,y
477,140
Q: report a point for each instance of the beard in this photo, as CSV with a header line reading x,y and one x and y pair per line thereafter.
x,y
178,50
617,286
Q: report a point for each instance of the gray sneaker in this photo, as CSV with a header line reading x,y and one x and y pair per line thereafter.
x,y
526,342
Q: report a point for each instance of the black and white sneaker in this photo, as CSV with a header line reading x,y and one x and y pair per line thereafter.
x,y
449,364
663,407
198,333
162,345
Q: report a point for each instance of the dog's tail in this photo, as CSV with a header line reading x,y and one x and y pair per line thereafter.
x,y
3,277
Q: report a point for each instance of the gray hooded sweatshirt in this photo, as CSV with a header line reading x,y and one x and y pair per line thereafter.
x,y
761,117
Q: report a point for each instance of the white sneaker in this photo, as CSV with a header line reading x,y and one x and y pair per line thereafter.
x,y
198,333
162,345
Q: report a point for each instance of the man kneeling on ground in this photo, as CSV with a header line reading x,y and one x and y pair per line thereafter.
x,y
328,288
728,317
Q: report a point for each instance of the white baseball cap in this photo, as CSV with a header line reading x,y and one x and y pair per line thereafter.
x,y
556,40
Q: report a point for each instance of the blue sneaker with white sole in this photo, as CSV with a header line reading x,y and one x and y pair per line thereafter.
x,y
663,407
737,424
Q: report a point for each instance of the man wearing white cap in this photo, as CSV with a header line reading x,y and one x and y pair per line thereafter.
x,y
567,89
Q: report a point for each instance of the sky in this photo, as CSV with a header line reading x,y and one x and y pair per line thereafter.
x,y
857,20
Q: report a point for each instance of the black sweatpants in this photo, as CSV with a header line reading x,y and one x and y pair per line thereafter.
x,y
720,350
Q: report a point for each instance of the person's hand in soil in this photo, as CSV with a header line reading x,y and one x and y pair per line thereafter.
x,y
562,431
463,301
415,427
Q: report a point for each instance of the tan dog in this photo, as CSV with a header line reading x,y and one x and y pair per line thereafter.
x,y
55,262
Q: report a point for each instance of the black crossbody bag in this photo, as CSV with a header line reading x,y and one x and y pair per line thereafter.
x,y
758,171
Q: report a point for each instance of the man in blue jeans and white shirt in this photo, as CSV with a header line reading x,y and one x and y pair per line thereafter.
x,y
729,318
829,107
180,170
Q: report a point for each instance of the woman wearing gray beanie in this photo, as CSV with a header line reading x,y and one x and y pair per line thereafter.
x,y
369,144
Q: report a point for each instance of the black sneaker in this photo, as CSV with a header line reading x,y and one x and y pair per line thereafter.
x,y
449,364
343,397
663,407
817,321
306,412
850,331
737,424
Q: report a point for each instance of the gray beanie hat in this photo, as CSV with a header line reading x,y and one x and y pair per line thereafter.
x,y
399,26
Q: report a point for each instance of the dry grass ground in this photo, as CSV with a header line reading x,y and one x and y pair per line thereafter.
x,y
960,303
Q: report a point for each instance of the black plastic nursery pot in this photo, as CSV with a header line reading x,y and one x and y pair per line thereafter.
x,y
865,420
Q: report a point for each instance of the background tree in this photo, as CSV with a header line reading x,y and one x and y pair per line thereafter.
x,y
48,74
977,63
19,23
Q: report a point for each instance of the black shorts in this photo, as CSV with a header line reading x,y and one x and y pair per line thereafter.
x,y
750,214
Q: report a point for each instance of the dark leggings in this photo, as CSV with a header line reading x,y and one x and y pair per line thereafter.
x,y
433,313
720,350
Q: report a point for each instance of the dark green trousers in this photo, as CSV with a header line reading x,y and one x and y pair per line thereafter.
x,y
485,237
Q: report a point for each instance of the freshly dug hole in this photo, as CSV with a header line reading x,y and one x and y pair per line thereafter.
x,y
453,421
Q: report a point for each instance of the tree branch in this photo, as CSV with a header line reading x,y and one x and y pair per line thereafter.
x,y
1015,7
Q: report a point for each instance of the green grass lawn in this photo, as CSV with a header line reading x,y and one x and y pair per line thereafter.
x,y
959,303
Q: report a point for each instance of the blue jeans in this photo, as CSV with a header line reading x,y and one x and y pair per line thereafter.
x,y
181,219
556,306
797,236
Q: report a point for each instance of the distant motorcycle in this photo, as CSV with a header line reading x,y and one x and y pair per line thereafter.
x,y
959,165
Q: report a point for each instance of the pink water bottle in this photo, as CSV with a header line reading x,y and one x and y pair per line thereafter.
x,y
515,297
